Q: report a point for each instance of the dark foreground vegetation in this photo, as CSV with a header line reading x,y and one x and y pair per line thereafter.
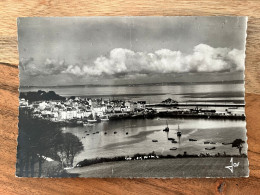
x,y
153,155
43,149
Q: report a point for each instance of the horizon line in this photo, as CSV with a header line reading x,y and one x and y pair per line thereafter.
x,y
137,84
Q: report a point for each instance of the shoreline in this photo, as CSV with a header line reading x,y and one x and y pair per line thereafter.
x,y
166,114
159,115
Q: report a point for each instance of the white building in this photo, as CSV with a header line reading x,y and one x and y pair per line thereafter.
x,y
42,105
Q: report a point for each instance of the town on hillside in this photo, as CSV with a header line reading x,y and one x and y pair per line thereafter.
x,y
86,111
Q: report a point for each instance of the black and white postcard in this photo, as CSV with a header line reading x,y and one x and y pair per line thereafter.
x,y
132,97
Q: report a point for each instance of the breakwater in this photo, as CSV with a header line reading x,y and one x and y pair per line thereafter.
x,y
174,114
194,104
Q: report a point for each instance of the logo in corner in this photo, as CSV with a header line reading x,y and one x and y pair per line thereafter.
x,y
231,167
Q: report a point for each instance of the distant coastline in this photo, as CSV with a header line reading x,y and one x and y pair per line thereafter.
x,y
142,84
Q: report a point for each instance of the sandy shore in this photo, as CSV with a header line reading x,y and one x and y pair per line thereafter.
x,y
180,167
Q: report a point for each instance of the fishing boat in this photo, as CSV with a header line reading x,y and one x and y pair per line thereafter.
x,y
226,143
154,140
92,118
166,129
79,122
206,142
105,118
212,148
179,132
174,142
170,139
89,125
173,148
92,121
193,140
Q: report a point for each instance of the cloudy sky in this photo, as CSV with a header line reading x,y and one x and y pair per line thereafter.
x,y
124,50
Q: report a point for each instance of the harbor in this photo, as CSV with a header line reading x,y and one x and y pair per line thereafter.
x,y
126,127
78,111
146,135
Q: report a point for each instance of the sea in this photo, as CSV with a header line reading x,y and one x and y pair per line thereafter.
x,y
224,93
135,135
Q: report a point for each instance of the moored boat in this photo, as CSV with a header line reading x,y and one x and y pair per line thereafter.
x,y
212,148
179,132
105,118
90,125
226,143
166,129
79,122
92,121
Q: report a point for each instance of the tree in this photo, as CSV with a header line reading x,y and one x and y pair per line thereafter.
x,y
238,143
69,148
35,141
39,139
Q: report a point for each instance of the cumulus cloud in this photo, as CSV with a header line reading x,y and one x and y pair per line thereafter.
x,y
125,62
50,66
